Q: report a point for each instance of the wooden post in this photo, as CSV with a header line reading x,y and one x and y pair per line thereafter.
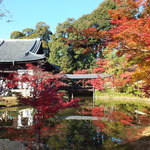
x,y
72,91
93,97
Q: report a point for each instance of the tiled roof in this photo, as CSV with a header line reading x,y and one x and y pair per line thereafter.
x,y
18,50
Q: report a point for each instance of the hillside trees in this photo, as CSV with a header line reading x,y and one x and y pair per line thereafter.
x,y
17,35
59,54
99,18
70,56
42,31
128,39
64,55
28,31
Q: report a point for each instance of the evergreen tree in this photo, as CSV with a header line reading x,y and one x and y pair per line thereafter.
x,y
70,57
17,35
99,18
65,55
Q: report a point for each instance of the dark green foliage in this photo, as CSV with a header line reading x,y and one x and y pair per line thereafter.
x,y
99,18
42,31
64,55
69,57
28,31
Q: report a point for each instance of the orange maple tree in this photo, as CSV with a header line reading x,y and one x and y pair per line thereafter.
x,y
131,36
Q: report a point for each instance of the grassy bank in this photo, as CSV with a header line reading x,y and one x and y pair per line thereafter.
x,y
8,101
112,97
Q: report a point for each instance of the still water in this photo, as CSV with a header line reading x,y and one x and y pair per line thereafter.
x,y
114,127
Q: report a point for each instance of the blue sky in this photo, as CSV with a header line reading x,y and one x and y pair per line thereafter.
x,y
27,13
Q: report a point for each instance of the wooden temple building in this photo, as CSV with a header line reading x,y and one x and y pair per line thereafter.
x,y
16,53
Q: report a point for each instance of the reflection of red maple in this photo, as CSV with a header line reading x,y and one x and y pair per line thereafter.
x,y
109,121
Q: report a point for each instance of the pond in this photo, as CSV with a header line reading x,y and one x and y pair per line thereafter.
x,y
102,127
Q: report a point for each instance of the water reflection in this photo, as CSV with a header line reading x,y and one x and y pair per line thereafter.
x,y
122,124
17,119
75,134
25,117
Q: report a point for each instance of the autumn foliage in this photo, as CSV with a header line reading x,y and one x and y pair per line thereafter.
x,y
131,36
44,95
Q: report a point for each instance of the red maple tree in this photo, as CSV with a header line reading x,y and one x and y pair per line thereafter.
x,y
44,95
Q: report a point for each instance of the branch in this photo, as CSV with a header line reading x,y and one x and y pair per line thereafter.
x,y
142,50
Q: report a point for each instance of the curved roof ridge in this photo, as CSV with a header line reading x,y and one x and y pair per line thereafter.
x,y
36,46
1,41
38,39
36,54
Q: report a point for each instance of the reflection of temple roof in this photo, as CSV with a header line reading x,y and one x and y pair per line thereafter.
x,y
20,50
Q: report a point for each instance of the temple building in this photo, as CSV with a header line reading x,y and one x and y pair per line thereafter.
x,y
16,53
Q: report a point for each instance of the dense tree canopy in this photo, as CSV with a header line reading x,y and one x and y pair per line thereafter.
x,y
99,18
17,35
65,55
129,39
70,55
117,31
131,36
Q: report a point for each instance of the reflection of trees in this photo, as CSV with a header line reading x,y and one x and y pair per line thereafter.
x,y
120,123
77,134
16,134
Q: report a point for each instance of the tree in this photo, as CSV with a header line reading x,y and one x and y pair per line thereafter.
x,y
4,13
28,31
17,35
99,18
42,31
59,52
129,39
65,55
45,97
131,36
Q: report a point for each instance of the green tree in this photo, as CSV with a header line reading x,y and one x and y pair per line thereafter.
x,y
42,31
61,54
70,56
16,35
99,18
28,31
67,56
